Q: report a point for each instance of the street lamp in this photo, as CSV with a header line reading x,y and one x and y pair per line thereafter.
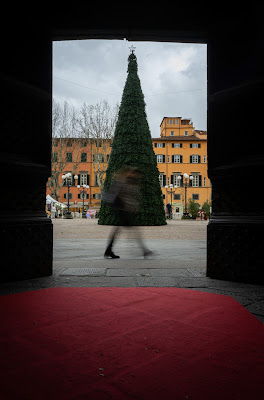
x,y
65,178
82,190
185,184
170,190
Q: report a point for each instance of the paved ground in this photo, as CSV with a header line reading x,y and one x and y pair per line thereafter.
x,y
179,261
89,229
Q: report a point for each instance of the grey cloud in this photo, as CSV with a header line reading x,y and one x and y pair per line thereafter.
x,y
101,66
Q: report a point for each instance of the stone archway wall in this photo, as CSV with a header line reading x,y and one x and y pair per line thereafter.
x,y
235,140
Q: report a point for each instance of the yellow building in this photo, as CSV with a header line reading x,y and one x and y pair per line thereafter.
x,y
182,150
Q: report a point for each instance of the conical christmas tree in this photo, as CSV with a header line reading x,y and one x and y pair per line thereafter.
x,y
132,146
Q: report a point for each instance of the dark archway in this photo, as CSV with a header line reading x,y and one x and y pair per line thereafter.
x,y
235,141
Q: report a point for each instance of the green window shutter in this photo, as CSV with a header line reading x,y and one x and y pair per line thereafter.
x,y
155,144
199,159
163,144
190,159
199,145
172,159
172,179
190,145
163,158
69,157
181,159
84,157
164,180
88,179
200,180
181,145
79,179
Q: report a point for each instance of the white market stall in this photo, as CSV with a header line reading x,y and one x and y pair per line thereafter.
x,y
54,205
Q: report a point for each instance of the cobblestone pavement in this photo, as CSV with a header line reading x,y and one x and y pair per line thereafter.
x,y
89,229
179,261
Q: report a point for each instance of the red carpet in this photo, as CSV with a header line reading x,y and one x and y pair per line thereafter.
x,y
129,343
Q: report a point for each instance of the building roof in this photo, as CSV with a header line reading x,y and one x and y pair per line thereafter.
x,y
181,118
178,138
200,132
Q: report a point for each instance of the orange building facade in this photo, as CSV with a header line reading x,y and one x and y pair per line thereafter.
x,y
180,150
85,160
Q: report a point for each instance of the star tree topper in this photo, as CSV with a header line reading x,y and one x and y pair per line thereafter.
x,y
132,49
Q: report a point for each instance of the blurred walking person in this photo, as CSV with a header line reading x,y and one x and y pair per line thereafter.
x,y
123,195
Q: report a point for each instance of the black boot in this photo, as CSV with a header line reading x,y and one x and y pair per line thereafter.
x,y
147,253
110,254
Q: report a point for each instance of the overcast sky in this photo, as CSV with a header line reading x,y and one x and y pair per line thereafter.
x,y
173,76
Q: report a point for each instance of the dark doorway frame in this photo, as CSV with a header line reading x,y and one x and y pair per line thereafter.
x,y
235,79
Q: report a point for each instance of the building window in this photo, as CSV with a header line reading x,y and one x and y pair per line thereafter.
x,y
66,196
186,133
177,158
178,145
172,133
168,121
176,196
69,157
176,181
195,145
204,159
196,180
54,157
68,181
204,181
84,157
98,158
97,196
83,143
195,159
159,144
69,144
160,158
162,179
195,196
83,196
168,159
84,179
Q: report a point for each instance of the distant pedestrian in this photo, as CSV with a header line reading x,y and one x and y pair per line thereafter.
x,y
123,195
169,208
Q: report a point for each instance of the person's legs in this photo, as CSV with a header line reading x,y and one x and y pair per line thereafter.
x,y
108,252
146,252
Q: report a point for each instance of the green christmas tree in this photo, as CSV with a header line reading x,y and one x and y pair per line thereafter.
x,y
132,146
